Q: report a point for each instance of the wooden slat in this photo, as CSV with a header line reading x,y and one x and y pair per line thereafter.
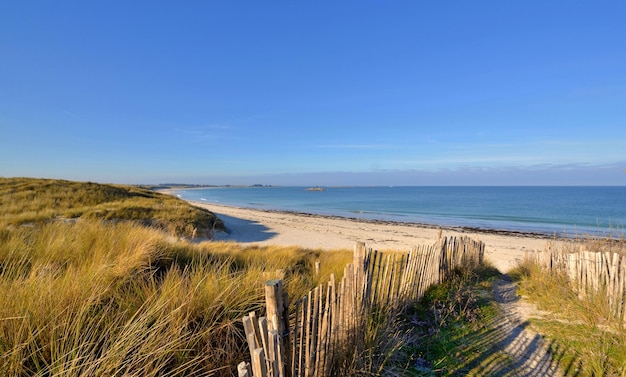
x,y
244,369
258,363
294,335
308,333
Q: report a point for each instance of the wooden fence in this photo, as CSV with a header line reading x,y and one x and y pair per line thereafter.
x,y
590,272
332,318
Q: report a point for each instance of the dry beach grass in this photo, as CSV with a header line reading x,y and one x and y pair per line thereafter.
x,y
84,295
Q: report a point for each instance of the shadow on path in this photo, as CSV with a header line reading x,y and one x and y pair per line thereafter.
x,y
242,230
509,348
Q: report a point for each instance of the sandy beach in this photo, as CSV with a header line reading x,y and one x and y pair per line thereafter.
x,y
260,227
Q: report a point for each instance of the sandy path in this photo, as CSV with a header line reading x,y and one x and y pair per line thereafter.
x,y
528,353
256,227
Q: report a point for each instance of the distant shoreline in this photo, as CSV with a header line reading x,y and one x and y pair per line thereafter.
x,y
254,227
461,229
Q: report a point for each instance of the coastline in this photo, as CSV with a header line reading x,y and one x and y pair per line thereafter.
x,y
262,227
549,212
460,229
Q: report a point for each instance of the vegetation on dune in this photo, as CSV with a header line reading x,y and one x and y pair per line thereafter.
x,y
32,201
453,324
94,298
590,341
105,296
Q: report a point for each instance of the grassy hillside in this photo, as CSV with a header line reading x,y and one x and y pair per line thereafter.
x,y
119,298
29,201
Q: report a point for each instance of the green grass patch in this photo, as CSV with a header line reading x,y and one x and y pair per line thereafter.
x,y
450,324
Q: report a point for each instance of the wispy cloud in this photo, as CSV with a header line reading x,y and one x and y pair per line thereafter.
x,y
70,114
527,153
356,146
202,133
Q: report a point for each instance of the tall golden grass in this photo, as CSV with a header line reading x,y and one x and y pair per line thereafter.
x,y
96,298
88,287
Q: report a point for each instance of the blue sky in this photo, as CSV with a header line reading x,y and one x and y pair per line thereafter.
x,y
341,92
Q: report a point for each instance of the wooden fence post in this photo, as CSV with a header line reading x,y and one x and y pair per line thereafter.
x,y
359,264
278,318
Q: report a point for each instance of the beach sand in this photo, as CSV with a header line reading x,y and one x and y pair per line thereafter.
x,y
258,227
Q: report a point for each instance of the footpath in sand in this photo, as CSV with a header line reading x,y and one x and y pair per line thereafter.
x,y
511,349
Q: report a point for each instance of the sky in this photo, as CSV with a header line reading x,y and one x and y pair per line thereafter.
x,y
314,93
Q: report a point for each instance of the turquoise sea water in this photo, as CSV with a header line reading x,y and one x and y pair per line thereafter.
x,y
547,210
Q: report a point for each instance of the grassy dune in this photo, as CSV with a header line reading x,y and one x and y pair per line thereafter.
x,y
33,201
588,340
110,293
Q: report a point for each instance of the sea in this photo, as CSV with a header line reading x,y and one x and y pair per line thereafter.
x,y
555,211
